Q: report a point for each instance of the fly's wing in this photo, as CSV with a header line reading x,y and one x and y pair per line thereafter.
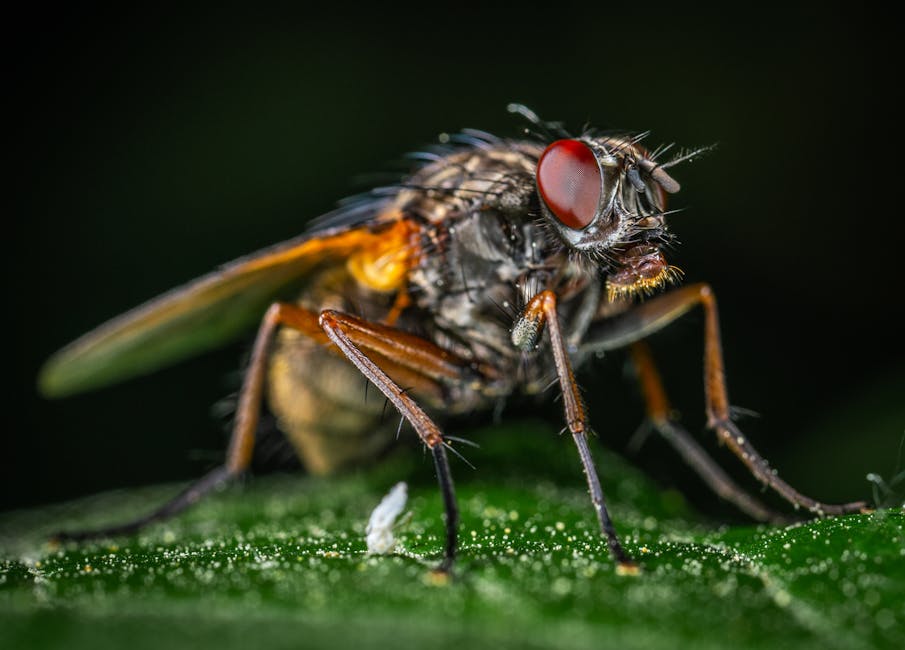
x,y
213,309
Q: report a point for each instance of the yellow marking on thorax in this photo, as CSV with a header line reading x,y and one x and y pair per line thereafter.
x,y
383,260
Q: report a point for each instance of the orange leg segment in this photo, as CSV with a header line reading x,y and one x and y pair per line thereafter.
x,y
353,338
655,314
659,415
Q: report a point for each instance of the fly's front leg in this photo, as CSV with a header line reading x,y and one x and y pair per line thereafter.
x,y
241,445
659,415
647,318
540,311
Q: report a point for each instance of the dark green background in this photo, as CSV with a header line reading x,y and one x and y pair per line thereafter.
x,y
151,148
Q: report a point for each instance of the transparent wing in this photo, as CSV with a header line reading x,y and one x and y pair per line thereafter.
x,y
212,310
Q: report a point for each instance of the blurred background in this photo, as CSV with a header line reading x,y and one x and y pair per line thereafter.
x,y
149,148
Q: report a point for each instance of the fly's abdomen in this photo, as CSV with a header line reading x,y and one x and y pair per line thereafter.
x,y
319,402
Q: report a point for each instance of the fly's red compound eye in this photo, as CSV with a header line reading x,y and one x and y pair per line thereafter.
x,y
568,178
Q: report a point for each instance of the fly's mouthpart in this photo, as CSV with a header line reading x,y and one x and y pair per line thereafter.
x,y
644,286
644,271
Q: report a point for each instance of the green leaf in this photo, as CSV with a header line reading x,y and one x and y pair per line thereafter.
x,y
281,562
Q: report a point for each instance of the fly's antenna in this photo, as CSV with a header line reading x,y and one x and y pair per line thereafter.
x,y
657,171
547,131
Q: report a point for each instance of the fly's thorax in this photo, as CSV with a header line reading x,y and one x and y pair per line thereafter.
x,y
484,269
499,177
469,283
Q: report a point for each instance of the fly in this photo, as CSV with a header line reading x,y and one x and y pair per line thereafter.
x,y
404,286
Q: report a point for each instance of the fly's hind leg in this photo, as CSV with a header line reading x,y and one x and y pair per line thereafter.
x,y
647,318
241,446
419,361
660,418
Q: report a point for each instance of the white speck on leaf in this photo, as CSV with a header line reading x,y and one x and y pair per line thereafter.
x,y
380,538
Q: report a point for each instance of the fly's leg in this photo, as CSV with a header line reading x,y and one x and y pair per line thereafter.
x,y
406,355
540,311
350,335
659,415
655,314
241,445
190,495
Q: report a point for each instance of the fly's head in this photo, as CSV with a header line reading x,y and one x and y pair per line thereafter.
x,y
606,197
